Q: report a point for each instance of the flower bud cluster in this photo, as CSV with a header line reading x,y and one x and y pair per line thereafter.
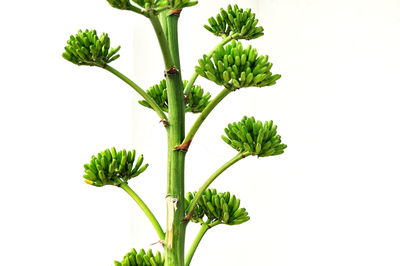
x,y
86,48
112,167
222,207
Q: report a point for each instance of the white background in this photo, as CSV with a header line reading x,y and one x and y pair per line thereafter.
x,y
331,199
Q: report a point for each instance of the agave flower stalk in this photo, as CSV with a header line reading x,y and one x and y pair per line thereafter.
x,y
229,65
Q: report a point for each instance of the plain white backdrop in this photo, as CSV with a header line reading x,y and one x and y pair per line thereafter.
x,y
332,199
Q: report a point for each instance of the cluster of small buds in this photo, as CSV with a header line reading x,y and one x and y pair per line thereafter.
x,y
195,100
112,167
235,67
236,22
86,48
151,5
141,258
222,207
254,137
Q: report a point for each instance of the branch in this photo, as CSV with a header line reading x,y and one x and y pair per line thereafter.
x,y
145,209
203,230
139,90
214,176
203,115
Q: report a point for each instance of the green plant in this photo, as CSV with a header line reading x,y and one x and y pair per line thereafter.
x,y
230,65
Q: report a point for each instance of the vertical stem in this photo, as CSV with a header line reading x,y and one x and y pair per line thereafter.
x,y
176,226
162,40
175,237
172,26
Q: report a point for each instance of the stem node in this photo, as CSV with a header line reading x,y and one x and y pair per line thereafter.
x,y
184,146
171,71
175,12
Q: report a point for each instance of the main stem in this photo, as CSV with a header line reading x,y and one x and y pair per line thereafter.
x,y
176,226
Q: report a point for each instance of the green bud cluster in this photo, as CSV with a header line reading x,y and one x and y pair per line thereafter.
x,y
110,167
151,5
195,100
235,21
235,67
179,4
147,4
86,48
255,137
141,258
222,207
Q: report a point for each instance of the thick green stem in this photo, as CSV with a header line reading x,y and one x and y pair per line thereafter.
x,y
162,40
203,115
214,176
172,26
175,233
145,209
195,75
139,90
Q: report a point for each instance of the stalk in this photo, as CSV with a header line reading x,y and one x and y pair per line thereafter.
x,y
203,230
139,90
175,238
214,176
203,115
176,226
145,209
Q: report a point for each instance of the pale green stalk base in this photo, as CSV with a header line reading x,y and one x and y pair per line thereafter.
x,y
145,209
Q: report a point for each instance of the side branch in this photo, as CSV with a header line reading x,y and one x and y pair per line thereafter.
x,y
145,209
203,230
203,115
208,182
139,90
